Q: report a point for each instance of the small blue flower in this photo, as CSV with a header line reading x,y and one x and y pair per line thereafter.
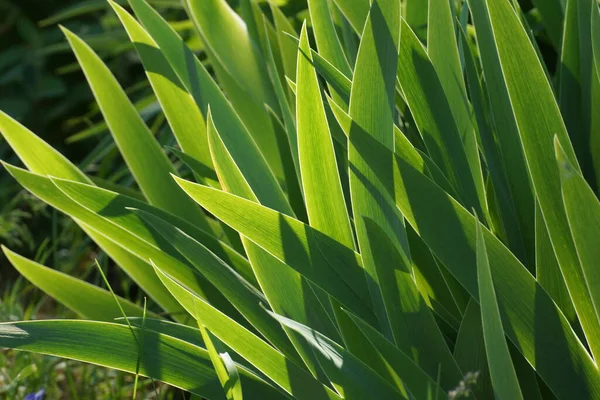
x,y
35,396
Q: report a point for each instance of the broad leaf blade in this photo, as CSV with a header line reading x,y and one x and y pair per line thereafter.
x,y
348,373
504,377
40,158
146,160
372,114
583,212
205,91
442,49
85,299
268,360
164,358
174,99
285,289
433,116
320,177
240,293
526,309
324,261
538,119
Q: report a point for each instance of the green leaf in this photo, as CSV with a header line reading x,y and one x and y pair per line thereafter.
x,y
516,232
570,92
286,290
538,120
41,158
140,272
227,37
414,328
145,159
442,49
504,124
524,306
399,364
425,96
114,207
349,375
224,367
324,261
416,15
282,97
469,350
205,91
439,289
320,177
552,12
133,236
583,212
356,11
547,271
340,83
502,371
85,299
284,372
242,73
37,155
590,89
289,51
328,42
372,113
165,358
174,99
596,37
402,147
239,292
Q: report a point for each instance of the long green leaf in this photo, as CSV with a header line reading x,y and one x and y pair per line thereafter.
x,y
570,94
174,99
328,42
289,51
538,119
146,160
163,357
240,293
285,289
469,350
356,11
417,382
504,124
552,12
433,116
442,49
242,73
415,329
583,212
502,371
41,158
320,177
85,299
224,367
372,113
590,89
285,373
526,309
416,15
205,91
134,237
349,375
515,234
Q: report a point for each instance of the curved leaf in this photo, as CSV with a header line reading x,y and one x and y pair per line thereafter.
x,y
163,357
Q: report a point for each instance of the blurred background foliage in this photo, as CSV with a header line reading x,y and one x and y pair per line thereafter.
x,y
42,86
